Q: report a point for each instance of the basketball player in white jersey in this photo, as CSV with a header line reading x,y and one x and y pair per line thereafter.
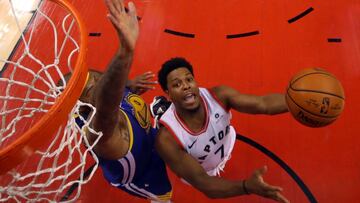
x,y
196,138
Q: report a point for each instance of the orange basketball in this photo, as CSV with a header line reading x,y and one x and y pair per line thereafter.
x,y
315,97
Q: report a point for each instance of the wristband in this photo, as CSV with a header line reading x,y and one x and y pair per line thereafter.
x,y
244,188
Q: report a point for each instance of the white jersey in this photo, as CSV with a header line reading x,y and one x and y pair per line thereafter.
x,y
212,145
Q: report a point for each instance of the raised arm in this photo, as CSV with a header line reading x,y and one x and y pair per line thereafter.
x,y
267,104
109,89
186,167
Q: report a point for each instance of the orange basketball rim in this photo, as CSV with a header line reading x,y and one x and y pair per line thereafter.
x,y
23,147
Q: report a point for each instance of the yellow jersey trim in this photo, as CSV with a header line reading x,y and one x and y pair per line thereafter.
x,y
166,196
130,129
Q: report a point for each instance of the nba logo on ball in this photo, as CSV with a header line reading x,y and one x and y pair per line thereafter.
x,y
315,97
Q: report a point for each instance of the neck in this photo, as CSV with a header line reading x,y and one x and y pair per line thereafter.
x,y
186,113
194,119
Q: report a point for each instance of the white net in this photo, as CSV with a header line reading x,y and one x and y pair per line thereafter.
x,y
47,49
50,174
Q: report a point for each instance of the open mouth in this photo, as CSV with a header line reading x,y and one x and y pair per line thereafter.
x,y
189,98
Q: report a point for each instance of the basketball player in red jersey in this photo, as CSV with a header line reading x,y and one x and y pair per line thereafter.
x,y
196,139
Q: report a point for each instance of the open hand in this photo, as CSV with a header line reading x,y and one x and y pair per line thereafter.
x,y
256,185
125,23
142,83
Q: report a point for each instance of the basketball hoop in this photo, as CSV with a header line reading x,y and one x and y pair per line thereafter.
x,y
37,114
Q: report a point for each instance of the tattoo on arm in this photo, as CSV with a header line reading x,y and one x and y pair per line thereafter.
x,y
126,136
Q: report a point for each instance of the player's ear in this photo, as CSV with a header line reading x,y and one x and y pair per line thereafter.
x,y
167,94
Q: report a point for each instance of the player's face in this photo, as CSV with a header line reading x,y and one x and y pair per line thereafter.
x,y
183,90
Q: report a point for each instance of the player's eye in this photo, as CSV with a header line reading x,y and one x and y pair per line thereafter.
x,y
176,84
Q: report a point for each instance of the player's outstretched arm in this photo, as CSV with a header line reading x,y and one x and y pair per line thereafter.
x,y
267,104
109,90
189,169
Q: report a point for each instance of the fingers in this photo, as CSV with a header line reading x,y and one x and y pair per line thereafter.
x,y
272,188
132,10
116,8
114,13
264,189
120,5
275,195
111,7
261,171
145,85
148,75
146,82
280,198
274,192
112,19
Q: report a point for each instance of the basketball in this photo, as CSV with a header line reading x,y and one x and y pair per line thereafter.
x,y
315,97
